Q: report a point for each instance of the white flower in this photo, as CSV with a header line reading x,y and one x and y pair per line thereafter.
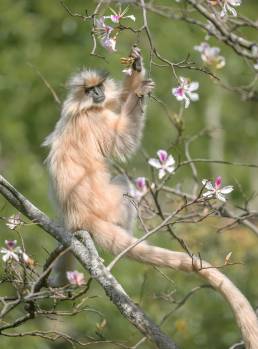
x,y
185,91
75,278
13,221
164,163
228,7
216,190
11,251
210,55
117,16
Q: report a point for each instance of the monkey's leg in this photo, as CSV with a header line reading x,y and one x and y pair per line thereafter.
x,y
129,212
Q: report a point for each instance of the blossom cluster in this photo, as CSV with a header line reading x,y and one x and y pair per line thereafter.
x,y
165,164
104,31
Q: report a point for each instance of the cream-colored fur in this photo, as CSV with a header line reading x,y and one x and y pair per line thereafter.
x,y
86,135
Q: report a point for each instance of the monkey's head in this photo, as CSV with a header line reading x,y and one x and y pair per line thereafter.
x,y
92,88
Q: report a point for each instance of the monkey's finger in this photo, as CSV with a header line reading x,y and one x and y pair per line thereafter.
x,y
135,52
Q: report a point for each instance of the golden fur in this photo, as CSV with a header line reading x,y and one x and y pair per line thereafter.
x,y
86,135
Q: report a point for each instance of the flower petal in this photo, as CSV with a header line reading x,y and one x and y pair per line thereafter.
x,y
132,17
208,185
193,96
14,256
221,61
162,155
170,161
154,163
235,2
140,183
193,86
162,173
223,12
6,257
170,169
226,190
220,196
208,194
218,182
232,10
179,93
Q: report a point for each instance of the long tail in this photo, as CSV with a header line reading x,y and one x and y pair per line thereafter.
x,y
115,239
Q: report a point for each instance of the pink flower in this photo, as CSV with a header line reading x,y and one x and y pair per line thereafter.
x,y
185,91
109,44
228,7
210,55
164,163
141,188
75,278
216,190
117,16
13,221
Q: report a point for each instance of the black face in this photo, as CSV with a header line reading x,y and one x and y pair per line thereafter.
x,y
96,92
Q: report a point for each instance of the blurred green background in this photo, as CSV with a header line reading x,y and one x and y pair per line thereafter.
x,y
41,36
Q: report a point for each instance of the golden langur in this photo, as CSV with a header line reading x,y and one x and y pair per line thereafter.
x,y
101,119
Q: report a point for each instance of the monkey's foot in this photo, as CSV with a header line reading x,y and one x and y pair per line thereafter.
x,y
146,87
136,55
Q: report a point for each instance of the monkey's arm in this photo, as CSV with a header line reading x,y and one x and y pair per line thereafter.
x,y
133,82
128,125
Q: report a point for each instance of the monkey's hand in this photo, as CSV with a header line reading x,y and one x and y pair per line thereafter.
x,y
146,88
136,55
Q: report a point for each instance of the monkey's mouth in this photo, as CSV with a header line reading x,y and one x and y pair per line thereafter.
x,y
98,99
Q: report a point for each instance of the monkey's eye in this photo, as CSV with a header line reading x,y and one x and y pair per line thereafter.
x,y
87,89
